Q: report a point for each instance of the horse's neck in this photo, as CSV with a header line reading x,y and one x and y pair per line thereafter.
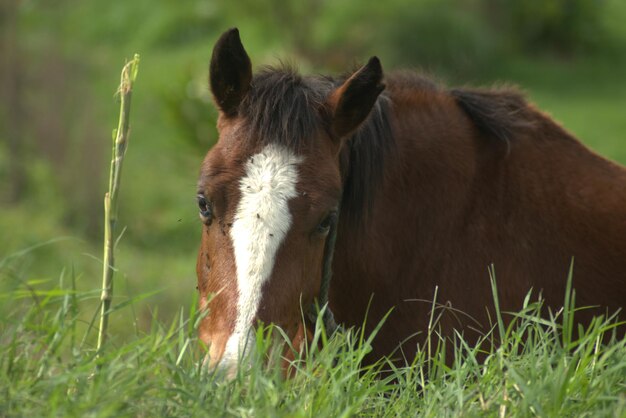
x,y
448,169
554,174
448,186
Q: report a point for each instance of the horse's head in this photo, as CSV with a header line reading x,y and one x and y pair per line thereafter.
x,y
269,192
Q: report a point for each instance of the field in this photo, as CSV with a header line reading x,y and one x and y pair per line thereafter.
x,y
50,238
538,368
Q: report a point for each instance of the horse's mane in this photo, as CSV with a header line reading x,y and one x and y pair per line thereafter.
x,y
284,108
499,112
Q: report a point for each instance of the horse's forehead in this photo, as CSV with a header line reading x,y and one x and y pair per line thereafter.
x,y
227,157
230,158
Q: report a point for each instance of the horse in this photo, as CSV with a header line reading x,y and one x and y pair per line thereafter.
x,y
404,190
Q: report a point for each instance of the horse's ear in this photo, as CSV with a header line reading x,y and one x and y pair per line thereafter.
x,y
351,103
230,72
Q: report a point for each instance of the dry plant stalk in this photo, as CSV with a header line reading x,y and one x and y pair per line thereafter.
x,y
120,143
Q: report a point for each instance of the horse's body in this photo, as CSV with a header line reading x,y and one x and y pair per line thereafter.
x,y
434,186
477,179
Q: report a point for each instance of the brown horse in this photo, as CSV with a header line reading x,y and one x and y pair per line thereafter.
x,y
426,187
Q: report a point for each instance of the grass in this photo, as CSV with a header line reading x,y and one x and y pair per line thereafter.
x,y
120,143
539,367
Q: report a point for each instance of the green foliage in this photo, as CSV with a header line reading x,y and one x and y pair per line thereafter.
x,y
540,367
565,26
448,36
188,106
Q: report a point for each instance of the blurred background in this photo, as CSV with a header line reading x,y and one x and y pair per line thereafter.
x,y
59,69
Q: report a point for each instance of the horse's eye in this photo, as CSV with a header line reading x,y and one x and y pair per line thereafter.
x,y
206,212
324,226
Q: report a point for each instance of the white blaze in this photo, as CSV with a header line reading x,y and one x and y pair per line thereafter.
x,y
261,222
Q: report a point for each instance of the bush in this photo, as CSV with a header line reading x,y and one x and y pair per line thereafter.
x,y
562,26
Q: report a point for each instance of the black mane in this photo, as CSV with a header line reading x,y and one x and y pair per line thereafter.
x,y
364,160
282,107
500,113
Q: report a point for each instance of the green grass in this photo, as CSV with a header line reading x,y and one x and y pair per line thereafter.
x,y
48,366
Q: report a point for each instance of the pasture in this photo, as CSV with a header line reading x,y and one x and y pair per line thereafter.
x,y
50,255
49,368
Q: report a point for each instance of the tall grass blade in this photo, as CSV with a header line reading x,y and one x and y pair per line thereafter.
x,y
120,143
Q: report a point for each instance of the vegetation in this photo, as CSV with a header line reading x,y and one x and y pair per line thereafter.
x,y
58,70
120,143
538,368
